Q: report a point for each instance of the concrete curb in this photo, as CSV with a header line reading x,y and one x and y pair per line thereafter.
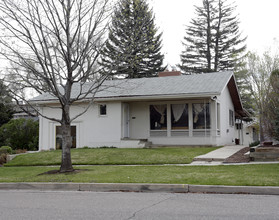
x,y
256,190
97,187
130,187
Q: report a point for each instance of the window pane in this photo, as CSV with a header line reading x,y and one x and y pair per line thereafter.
x,y
59,137
231,118
201,116
158,117
179,116
103,109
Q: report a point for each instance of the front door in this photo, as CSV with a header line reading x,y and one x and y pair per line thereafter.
x,y
126,120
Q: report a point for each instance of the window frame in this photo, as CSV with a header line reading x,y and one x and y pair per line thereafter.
x,y
231,118
207,104
100,111
159,126
185,111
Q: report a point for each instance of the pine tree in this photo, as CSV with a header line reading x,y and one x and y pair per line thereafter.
x,y
133,46
213,41
6,107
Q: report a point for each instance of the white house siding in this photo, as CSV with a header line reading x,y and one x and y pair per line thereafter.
x,y
93,130
226,131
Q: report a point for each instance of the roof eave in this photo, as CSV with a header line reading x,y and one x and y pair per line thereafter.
x,y
137,98
156,97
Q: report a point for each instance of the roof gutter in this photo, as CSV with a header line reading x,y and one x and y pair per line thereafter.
x,y
135,98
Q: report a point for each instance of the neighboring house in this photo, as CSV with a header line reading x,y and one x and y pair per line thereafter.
x,y
20,111
246,132
173,110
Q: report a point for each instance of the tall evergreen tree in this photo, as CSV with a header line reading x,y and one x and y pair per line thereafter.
x,y
133,46
6,107
213,41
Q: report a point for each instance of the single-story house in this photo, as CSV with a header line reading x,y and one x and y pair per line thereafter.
x,y
172,110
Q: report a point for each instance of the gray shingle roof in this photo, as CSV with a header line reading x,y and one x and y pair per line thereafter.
x,y
210,83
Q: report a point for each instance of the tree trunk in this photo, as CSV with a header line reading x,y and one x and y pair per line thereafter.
x,y
208,42
66,163
262,138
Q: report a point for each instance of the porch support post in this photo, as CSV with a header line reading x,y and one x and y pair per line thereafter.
x,y
190,110
169,120
213,118
213,121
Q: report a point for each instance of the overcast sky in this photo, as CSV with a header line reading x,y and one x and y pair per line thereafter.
x,y
259,21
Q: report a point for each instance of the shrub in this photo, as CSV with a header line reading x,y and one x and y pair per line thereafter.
x,y
3,158
104,147
21,134
3,151
8,149
253,144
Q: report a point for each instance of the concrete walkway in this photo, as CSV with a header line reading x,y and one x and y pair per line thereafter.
x,y
219,155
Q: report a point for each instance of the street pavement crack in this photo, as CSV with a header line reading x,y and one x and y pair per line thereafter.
x,y
150,206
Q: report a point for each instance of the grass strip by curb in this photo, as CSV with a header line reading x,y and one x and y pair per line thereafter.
x,y
244,175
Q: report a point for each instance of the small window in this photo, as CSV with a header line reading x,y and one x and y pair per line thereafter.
x,y
231,118
238,126
103,110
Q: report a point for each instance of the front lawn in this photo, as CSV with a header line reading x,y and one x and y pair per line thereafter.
x,y
244,175
114,156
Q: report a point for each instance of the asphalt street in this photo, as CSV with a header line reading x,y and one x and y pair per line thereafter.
x,y
119,205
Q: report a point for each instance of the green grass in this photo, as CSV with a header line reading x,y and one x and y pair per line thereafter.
x,y
244,175
113,156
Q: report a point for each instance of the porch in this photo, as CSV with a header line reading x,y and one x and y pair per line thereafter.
x,y
172,122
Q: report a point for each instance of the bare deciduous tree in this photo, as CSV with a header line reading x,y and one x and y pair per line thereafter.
x,y
53,45
258,76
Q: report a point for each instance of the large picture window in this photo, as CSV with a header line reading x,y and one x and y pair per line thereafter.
x,y
179,117
58,135
201,116
158,117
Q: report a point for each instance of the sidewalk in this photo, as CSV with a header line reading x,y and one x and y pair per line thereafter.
x,y
217,156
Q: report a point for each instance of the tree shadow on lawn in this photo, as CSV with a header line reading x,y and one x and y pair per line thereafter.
x,y
51,172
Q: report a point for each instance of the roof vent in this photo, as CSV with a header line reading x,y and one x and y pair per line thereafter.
x,y
169,73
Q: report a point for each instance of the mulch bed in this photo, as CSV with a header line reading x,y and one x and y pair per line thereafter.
x,y
239,157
